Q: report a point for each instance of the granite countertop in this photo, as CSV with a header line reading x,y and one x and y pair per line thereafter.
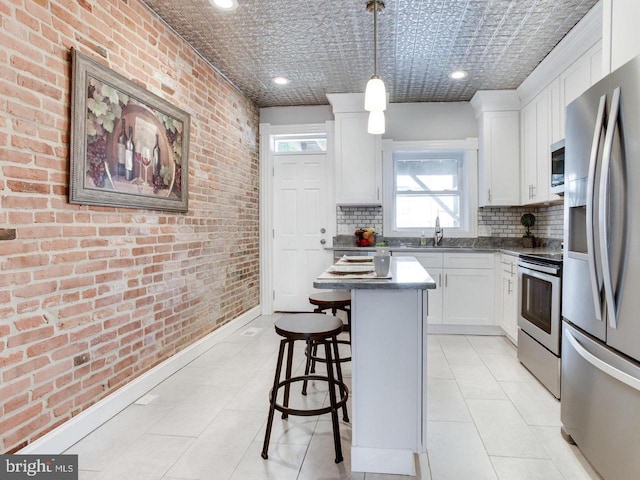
x,y
406,273
510,250
509,246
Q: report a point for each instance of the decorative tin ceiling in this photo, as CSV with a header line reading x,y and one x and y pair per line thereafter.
x,y
326,46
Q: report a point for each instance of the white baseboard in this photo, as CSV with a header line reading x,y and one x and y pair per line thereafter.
x,y
383,460
70,432
465,329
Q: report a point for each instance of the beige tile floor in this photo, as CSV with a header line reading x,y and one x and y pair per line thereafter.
x,y
488,418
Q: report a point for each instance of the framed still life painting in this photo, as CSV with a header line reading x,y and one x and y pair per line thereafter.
x,y
129,147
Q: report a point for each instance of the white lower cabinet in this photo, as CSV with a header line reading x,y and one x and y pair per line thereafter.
x,y
465,288
509,301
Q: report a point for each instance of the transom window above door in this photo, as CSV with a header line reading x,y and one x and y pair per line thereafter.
x,y
304,143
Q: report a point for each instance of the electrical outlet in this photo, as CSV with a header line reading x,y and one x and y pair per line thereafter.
x,y
484,231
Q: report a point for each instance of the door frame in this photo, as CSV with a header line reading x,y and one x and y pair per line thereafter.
x,y
267,131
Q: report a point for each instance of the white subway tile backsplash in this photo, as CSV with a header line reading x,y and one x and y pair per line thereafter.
x,y
350,218
494,221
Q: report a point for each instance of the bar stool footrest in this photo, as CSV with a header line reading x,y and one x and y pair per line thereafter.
x,y
311,412
315,358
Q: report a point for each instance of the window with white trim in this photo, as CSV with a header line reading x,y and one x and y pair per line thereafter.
x,y
428,185
423,183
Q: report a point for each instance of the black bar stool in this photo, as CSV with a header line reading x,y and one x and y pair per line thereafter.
x,y
322,330
334,301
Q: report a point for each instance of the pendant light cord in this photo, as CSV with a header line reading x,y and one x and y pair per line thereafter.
x,y
375,37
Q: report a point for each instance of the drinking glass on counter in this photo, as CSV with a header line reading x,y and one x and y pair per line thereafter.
x,y
381,262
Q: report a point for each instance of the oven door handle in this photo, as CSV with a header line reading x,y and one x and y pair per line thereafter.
x,y
592,254
533,268
553,279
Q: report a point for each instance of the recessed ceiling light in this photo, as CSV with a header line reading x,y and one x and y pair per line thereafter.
x,y
458,74
226,5
281,80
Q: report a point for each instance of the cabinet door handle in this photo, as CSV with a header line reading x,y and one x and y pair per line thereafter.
x,y
378,193
489,195
509,290
446,278
439,279
533,191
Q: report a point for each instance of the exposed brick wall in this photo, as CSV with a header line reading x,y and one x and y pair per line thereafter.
x,y
91,297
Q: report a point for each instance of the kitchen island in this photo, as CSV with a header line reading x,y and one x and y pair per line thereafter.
x,y
388,351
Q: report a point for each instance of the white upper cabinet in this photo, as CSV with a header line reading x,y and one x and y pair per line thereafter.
x,y
576,79
536,140
358,154
542,123
556,111
621,35
570,69
499,147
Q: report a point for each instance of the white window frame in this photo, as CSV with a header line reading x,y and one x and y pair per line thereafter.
x,y
469,187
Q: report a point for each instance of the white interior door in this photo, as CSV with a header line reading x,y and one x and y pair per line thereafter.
x,y
300,228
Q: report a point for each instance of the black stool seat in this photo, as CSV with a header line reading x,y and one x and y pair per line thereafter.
x,y
317,329
337,299
308,326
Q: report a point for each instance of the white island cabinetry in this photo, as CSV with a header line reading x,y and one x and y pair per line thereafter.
x,y
388,389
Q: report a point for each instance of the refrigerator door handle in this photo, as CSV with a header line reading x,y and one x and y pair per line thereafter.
x,y
603,211
601,365
596,279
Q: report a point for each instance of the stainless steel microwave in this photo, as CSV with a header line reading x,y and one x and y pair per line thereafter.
x,y
557,168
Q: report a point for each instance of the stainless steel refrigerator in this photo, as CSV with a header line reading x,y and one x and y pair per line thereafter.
x,y
600,407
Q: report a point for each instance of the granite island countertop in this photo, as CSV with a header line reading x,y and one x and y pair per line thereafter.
x,y
406,273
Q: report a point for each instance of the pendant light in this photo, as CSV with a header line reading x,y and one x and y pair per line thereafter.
x,y
375,96
376,123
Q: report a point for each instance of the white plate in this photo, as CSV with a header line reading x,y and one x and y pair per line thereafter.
x,y
345,269
357,259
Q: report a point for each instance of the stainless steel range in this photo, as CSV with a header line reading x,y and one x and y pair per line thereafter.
x,y
539,316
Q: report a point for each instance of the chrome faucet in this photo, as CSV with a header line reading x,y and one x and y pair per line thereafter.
x,y
438,233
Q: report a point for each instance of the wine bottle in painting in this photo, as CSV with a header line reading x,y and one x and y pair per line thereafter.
x,y
122,149
128,159
156,159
